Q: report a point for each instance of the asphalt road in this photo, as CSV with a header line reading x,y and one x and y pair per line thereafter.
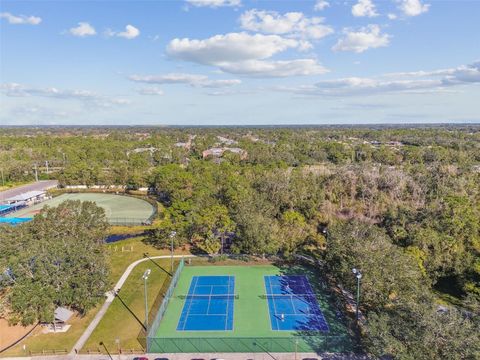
x,y
36,186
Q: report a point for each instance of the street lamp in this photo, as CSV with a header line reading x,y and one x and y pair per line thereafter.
x,y
145,276
172,235
358,275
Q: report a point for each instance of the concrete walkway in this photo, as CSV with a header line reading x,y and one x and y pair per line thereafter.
x,y
110,296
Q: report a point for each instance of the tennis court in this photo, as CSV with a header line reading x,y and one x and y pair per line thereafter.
x,y
120,210
209,304
228,309
292,304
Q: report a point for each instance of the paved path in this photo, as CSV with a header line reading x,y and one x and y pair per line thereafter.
x,y
36,186
110,296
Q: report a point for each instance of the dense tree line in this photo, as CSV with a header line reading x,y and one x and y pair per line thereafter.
x,y
58,259
401,204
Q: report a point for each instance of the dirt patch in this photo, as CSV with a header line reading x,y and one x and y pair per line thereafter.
x,y
10,334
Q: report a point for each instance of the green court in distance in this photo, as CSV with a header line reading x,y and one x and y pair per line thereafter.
x,y
119,209
252,331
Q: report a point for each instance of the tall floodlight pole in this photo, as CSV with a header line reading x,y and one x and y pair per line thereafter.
x,y
358,275
172,235
145,276
325,233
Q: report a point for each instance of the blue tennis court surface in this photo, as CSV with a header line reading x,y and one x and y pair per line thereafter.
x,y
292,304
208,304
14,221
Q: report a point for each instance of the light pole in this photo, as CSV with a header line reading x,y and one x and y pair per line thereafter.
x,y
145,277
172,235
358,275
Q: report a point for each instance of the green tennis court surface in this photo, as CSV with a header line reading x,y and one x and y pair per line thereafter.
x,y
251,330
118,209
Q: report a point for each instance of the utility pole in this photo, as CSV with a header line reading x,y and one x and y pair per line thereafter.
x,y
36,172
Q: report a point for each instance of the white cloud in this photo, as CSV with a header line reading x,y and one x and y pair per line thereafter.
x,y
131,32
214,3
364,8
20,19
321,5
230,47
292,23
38,111
88,97
413,7
83,29
245,54
182,78
366,38
151,91
392,16
280,68
412,82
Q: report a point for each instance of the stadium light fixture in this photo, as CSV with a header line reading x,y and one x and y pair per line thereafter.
x,y
358,275
172,236
145,276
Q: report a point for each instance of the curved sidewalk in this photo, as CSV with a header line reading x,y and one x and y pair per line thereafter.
x,y
110,296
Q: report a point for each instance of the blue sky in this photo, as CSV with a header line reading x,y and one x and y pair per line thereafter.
x,y
235,62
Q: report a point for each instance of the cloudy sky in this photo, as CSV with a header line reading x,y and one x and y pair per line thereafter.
x,y
235,62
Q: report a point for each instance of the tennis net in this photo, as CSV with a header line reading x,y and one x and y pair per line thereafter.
x,y
210,296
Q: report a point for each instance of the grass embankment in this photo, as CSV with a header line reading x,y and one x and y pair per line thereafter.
x,y
122,323
38,342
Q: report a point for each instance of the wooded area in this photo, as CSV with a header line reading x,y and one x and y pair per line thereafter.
x,y
401,204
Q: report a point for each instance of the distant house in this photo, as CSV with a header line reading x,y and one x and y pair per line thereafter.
x,y
186,145
226,141
151,149
218,152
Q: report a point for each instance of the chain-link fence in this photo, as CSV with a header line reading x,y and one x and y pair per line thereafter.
x,y
296,343
163,306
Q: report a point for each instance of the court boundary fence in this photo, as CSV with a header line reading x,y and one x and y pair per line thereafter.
x,y
163,306
301,342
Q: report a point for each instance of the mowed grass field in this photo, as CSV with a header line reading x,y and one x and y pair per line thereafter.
x,y
119,261
117,207
251,314
121,326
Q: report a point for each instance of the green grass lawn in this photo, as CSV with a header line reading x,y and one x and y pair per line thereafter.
x,y
119,261
251,317
123,320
